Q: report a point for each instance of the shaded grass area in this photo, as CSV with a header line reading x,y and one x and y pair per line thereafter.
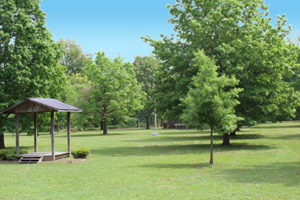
x,y
174,149
286,173
179,166
262,163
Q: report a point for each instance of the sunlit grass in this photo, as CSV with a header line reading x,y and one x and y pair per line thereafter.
x,y
262,163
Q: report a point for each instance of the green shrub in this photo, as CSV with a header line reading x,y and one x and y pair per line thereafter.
x,y
83,152
16,157
6,154
12,156
22,151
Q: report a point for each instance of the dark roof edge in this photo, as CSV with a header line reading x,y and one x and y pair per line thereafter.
x,y
31,99
69,110
13,106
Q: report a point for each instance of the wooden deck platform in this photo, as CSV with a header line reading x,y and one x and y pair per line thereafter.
x,y
47,156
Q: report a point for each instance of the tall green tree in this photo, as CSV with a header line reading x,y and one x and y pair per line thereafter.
x,y
76,92
145,68
243,42
294,78
28,57
211,102
114,89
73,57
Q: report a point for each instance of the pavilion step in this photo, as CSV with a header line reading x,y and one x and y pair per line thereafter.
x,y
31,160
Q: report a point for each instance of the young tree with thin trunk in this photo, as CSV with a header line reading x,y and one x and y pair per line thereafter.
x,y
212,100
114,89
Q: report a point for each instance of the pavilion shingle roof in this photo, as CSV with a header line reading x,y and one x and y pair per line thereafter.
x,y
31,105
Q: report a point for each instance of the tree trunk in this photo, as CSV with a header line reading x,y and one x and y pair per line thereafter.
x,y
57,126
101,124
147,122
137,123
211,146
226,140
2,145
233,133
104,127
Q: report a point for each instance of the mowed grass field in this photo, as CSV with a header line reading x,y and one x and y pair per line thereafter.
x,y
263,162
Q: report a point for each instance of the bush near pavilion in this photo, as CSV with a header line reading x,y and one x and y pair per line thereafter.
x,y
82,152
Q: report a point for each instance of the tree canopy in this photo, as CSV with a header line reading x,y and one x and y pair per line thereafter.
x,y
75,92
212,100
114,90
239,36
28,56
145,68
73,57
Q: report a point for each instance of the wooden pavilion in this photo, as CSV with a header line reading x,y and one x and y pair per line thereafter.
x,y
41,105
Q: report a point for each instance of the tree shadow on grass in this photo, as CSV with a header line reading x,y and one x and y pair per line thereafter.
x,y
128,129
288,137
192,131
21,148
182,131
247,136
276,127
90,135
275,173
243,146
176,139
202,137
178,166
175,149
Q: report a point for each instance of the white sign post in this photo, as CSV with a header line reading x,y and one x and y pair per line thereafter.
x,y
154,134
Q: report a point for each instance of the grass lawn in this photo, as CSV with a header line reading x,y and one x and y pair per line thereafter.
x,y
262,163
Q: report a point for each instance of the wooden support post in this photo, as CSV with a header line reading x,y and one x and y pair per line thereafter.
x,y
35,133
69,134
17,135
52,136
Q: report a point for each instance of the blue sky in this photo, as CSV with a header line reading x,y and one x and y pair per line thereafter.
x,y
117,26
